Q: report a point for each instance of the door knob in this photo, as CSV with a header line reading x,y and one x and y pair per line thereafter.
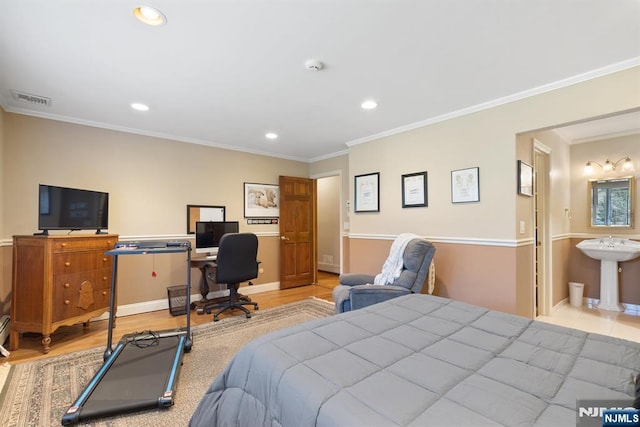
x,y
284,238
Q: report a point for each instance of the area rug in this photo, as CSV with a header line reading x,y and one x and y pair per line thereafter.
x,y
38,393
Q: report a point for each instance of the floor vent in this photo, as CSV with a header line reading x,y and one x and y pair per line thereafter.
x,y
31,99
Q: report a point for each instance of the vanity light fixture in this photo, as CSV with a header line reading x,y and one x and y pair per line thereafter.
x,y
609,166
149,16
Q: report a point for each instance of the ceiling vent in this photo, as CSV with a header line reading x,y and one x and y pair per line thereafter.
x,y
31,99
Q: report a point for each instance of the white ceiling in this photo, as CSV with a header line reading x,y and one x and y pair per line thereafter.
x,y
609,127
223,73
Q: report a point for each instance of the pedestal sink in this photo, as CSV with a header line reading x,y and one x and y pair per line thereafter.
x,y
610,251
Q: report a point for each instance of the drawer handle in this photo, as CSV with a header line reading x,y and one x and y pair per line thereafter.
x,y
104,259
66,285
105,278
67,264
64,245
67,302
104,292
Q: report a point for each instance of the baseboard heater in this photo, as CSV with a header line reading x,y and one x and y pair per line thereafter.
x,y
4,334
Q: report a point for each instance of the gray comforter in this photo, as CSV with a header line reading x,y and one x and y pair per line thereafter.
x,y
418,360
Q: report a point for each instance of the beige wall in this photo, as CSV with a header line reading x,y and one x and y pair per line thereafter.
x,y
338,165
5,252
480,258
329,227
150,182
486,139
612,149
582,268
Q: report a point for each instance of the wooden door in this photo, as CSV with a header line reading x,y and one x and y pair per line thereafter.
x,y
297,232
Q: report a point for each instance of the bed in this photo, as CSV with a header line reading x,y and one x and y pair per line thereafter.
x,y
419,360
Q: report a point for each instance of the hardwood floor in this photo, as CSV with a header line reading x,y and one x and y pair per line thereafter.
x,y
68,339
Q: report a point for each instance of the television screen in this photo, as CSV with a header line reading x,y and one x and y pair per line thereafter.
x,y
208,234
62,208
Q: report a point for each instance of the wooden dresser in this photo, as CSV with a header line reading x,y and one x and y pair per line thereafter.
x,y
58,281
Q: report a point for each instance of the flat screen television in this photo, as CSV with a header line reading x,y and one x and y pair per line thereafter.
x,y
62,208
208,234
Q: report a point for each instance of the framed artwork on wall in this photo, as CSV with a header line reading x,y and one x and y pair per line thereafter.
x,y
261,200
465,185
414,190
367,192
525,179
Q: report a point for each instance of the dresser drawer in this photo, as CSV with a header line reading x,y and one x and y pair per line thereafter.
x,y
99,279
75,244
80,303
74,262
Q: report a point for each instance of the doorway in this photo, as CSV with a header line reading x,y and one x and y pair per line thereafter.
x,y
329,202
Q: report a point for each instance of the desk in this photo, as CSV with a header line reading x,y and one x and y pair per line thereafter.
x,y
207,269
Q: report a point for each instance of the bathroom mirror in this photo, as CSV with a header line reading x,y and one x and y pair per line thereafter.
x,y
611,202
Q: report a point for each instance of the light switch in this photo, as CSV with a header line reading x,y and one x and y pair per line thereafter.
x,y
522,227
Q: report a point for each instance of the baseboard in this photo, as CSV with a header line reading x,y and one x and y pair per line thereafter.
x,y
330,268
163,304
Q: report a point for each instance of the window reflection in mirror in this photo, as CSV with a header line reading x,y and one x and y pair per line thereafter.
x,y
611,202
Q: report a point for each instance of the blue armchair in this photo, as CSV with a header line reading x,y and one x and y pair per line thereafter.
x,y
357,290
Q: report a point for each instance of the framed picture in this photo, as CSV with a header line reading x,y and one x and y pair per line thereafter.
x,y
261,200
525,179
197,213
465,185
414,190
367,192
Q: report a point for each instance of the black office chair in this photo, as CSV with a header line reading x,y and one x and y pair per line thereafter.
x,y
237,262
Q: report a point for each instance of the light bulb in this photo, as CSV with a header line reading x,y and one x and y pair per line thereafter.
x,y
149,15
627,165
588,169
608,166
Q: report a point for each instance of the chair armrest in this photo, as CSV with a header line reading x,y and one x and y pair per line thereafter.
x,y
366,295
355,279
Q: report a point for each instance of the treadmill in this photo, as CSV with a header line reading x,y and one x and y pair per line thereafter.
x,y
142,371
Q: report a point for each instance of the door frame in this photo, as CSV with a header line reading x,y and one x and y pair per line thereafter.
x,y
328,174
543,264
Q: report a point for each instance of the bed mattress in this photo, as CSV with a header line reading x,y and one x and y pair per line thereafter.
x,y
419,360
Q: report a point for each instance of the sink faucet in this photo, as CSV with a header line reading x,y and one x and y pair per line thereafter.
x,y
611,241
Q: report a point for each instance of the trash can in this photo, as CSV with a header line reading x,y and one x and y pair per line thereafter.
x,y
575,293
177,299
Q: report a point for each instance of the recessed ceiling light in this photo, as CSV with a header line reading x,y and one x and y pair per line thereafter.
x,y
271,135
149,15
369,104
140,107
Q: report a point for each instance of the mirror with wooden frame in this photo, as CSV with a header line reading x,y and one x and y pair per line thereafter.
x,y
203,213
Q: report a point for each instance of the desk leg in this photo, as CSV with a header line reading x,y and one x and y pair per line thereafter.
x,y
204,291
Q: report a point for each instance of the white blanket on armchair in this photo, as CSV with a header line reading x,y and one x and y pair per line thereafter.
x,y
393,265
